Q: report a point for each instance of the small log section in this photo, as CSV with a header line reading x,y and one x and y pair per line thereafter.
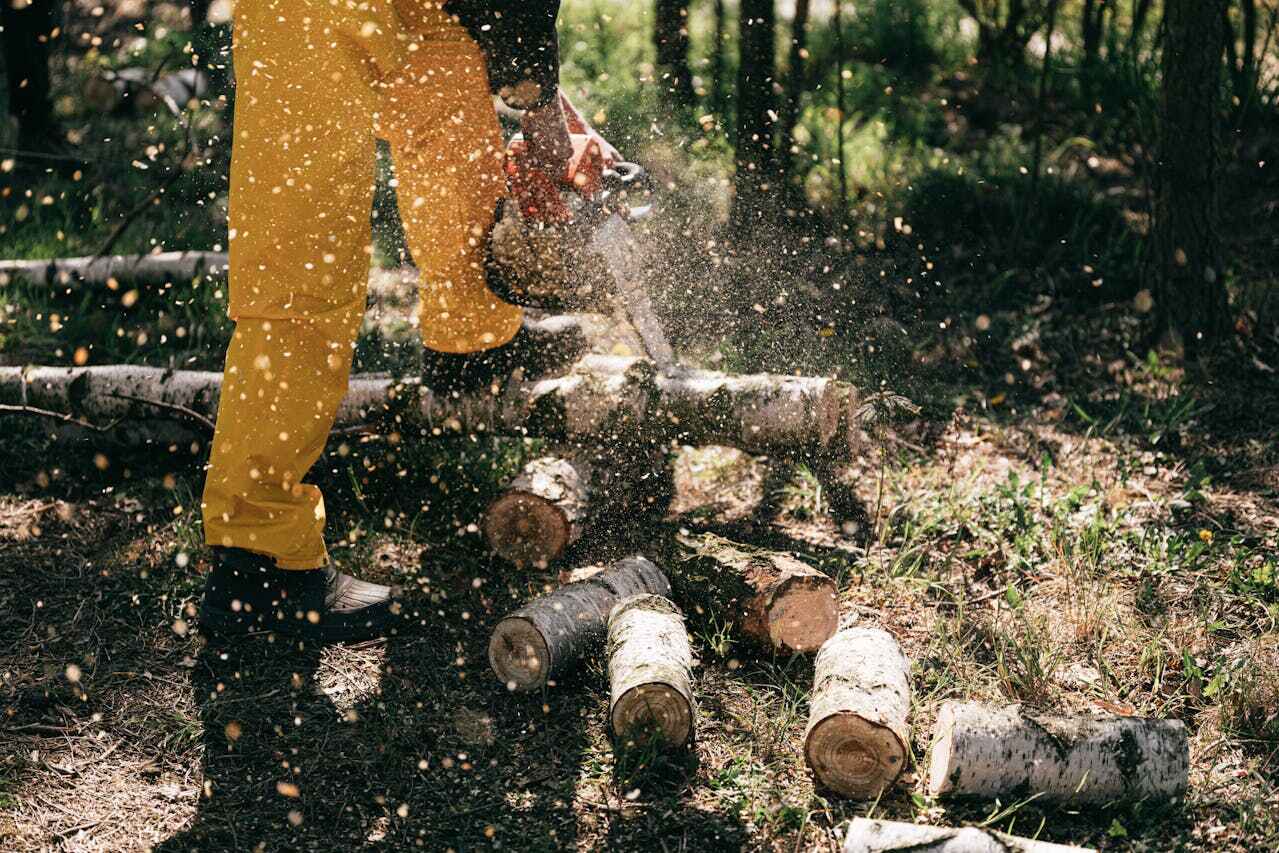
x,y
775,600
552,633
890,836
858,736
984,751
542,511
601,399
650,671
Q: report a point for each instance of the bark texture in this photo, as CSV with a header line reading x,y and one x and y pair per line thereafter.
x,y
25,32
984,751
552,633
889,836
118,271
772,598
858,735
1190,290
755,111
650,671
602,399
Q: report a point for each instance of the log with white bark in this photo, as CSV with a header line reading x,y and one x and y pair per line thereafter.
x,y
550,634
650,671
771,598
601,399
858,736
118,271
984,751
890,836
542,511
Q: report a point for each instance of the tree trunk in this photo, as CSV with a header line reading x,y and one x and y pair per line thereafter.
x,y
796,84
1190,290
756,165
603,399
670,36
650,672
27,30
888,836
550,634
771,598
1140,14
118,272
983,751
858,736
719,98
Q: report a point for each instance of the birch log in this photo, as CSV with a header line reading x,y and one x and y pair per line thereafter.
x,y
118,271
601,399
550,634
773,599
889,836
650,671
542,511
858,736
984,751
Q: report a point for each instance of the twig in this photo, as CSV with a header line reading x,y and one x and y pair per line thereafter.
x,y
57,416
172,407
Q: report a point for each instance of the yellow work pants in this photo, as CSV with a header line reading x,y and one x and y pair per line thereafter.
x,y
317,80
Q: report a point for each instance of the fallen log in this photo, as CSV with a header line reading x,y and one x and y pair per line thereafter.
x,y
118,271
773,599
600,400
984,751
890,836
858,736
650,671
550,634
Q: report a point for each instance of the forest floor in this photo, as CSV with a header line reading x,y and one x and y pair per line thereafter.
x,y
1112,550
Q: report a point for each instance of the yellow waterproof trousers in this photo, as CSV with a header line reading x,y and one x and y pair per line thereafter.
x,y
317,80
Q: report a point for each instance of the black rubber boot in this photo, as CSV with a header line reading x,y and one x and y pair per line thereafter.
x,y
247,594
538,347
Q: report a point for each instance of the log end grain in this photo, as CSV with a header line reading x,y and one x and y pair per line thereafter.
x,y
941,779
853,756
526,529
518,654
653,709
802,613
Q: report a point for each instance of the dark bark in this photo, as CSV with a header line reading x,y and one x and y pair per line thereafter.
x,y
1093,21
670,36
25,41
796,83
756,164
1001,42
1186,260
1140,15
718,96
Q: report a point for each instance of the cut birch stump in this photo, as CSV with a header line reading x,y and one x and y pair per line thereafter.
x,y
541,512
858,736
118,271
984,751
550,634
650,671
600,400
890,836
774,599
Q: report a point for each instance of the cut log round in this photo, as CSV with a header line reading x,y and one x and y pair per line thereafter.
x,y
890,836
650,671
858,737
984,751
550,634
775,600
542,511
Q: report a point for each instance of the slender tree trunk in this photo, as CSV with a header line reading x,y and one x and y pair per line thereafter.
x,y
1186,260
27,30
796,78
1140,14
718,97
840,102
755,75
670,37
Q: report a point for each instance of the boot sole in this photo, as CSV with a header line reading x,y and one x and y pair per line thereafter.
x,y
231,625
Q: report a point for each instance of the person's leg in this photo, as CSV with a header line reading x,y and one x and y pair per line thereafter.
x,y
301,189
447,145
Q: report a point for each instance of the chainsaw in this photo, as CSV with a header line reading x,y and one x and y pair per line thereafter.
x,y
565,243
